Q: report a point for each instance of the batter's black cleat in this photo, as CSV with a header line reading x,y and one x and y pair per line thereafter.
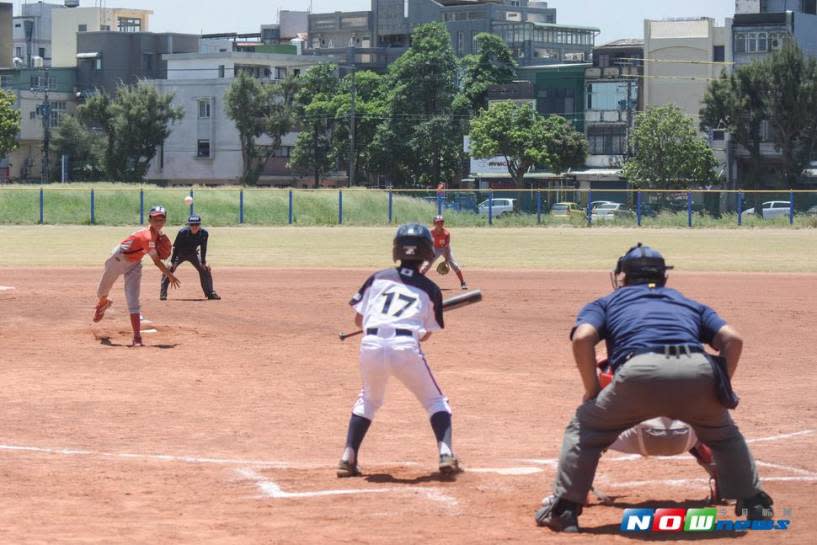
x,y
758,507
559,515
449,465
163,298
347,469
464,286
214,297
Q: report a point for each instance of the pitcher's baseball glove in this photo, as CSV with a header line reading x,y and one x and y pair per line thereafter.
x,y
164,247
443,268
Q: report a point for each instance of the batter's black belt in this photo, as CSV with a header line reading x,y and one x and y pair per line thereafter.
x,y
397,332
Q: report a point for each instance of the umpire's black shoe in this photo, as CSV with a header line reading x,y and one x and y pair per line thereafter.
x,y
758,507
559,515
348,469
214,297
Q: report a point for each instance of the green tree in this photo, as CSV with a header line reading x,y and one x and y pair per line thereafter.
x,y
668,152
260,109
421,90
313,152
524,138
792,107
371,107
134,123
84,148
9,123
493,64
736,103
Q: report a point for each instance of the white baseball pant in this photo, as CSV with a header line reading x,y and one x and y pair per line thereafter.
x,y
116,266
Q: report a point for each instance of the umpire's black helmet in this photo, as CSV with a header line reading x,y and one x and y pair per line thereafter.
x,y
413,242
642,264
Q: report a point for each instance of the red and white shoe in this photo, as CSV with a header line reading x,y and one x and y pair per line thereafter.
x,y
703,455
101,308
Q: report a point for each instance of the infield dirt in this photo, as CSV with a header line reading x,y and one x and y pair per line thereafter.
x,y
227,427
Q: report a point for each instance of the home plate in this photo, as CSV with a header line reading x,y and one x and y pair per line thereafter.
x,y
150,331
505,470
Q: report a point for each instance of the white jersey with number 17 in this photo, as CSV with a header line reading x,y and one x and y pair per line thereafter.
x,y
400,298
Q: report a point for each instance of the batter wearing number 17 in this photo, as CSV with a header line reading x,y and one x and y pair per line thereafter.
x,y
398,309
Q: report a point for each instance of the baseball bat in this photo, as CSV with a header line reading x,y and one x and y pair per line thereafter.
x,y
452,303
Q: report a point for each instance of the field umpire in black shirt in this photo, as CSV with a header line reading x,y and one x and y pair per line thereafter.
x,y
188,241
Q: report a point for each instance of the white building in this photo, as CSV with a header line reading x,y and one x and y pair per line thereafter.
x,y
31,34
682,57
204,147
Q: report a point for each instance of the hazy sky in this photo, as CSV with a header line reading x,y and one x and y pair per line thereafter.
x,y
616,18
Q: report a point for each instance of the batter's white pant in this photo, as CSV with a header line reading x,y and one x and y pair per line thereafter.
x,y
116,266
660,436
401,357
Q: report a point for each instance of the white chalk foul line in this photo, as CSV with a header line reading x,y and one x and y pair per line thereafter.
x,y
270,489
272,464
506,471
779,437
7,288
687,482
786,468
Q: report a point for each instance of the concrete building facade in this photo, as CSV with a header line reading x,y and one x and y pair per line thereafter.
x,y
374,39
204,147
681,58
69,22
6,33
32,32
106,59
614,96
25,163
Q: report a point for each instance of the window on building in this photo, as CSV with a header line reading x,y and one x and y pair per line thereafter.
x,y
740,42
718,135
719,53
41,52
19,52
762,42
98,64
280,72
82,28
204,108
105,28
607,140
460,42
203,148
810,6
147,62
130,24
751,42
220,70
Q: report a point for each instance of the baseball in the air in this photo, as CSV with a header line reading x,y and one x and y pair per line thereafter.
x,y
188,200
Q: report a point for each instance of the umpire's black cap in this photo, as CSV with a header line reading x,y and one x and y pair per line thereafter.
x,y
194,220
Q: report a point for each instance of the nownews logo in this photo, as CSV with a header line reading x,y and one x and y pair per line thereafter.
x,y
691,520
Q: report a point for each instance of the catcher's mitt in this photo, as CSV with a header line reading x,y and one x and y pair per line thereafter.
x,y
443,268
164,247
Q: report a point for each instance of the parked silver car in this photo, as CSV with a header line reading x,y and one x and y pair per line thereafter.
x,y
610,211
498,208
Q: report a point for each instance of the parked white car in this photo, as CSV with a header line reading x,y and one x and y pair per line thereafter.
x,y
812,211
771,210
609,211
500,207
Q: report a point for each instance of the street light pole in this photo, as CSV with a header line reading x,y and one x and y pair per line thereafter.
x,y
45,111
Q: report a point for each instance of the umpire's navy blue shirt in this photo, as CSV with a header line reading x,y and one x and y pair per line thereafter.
x,y
640,316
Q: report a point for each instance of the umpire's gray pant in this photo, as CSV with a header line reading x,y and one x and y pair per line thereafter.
x,y
648,386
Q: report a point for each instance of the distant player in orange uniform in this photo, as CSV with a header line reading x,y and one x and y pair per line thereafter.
x,y
442,247
127,260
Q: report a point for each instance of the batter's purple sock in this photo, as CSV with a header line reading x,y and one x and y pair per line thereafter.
x,y
441,424
358,426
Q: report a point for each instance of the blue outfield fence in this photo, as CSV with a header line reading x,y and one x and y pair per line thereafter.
x,y
108,204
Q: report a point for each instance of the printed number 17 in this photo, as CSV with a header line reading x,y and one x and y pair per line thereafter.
x,y
405,298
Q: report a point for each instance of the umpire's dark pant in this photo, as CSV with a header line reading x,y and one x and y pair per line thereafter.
x,y
205,276
651,385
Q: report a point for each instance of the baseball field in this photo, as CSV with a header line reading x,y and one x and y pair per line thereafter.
x,y
227,427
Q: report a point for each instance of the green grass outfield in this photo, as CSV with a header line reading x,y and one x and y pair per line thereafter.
x,y
118,204
750,250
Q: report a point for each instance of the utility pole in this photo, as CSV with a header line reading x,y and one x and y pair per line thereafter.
x,y
352,113
45,112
